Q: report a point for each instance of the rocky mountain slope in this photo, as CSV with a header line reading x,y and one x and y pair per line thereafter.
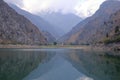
x,y
92,29
71,36
56,23
39,22
16,29
113,29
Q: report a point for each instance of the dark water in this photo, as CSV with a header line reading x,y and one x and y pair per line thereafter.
x,y
58,64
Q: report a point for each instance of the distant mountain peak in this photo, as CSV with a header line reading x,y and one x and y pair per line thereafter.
x,y
63,22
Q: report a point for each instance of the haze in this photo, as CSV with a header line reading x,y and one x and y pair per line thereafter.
x,y
82,8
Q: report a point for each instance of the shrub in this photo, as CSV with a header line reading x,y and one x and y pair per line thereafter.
x,y
107,41
54,43
116,29
113,40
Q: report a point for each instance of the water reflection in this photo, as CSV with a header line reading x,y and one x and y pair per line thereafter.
x,y
58,64
84,78
98,65
58,68
16,64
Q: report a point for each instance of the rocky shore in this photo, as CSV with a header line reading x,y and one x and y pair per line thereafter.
x,y
18,46
110,47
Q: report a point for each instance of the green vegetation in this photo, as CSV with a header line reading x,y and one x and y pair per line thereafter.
x,y
73,44
55,43
116,29
107,35
113,40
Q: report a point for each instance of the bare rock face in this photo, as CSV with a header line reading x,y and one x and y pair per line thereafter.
x,y
16,29
92,29
112,29
49,37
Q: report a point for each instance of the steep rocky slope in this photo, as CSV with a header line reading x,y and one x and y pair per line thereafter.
x,y
15,28
39,22
112,27
92,30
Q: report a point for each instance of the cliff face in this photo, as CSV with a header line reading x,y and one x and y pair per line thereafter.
x,y
15,28
93,30
112,27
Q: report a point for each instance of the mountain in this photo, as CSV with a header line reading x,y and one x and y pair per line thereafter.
x,y
16,29
112,29
92,29
38,21
56,23
71,36
50,38
63,22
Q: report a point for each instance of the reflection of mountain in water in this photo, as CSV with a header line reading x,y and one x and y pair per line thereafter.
x,y
98,65
58,64
56,69
14,65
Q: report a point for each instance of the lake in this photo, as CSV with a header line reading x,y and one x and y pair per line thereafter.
x,y
58,64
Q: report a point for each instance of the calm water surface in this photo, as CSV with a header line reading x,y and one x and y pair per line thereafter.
x,y
58,64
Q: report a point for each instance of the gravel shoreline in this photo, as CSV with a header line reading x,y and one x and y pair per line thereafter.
x,y
86,48
18,46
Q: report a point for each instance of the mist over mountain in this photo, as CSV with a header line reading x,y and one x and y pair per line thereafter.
x,y
73,34
71,29
54,23
82,8
39,22
16,29
91,30
63,22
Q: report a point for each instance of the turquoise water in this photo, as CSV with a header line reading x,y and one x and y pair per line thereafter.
x,y
58,64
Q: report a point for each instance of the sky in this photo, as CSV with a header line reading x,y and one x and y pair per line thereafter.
x,y
83,8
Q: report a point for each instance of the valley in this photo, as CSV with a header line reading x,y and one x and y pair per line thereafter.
x,y
102,28
59,40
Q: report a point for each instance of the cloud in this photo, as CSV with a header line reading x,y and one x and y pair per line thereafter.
x,y
36,5
55,5
87,7
83,8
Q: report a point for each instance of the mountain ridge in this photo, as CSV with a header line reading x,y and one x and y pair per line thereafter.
x,y
16,29
92,31
43,25
64,22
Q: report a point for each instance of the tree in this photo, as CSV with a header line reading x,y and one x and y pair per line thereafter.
x,y
107,35
116,29
54,43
